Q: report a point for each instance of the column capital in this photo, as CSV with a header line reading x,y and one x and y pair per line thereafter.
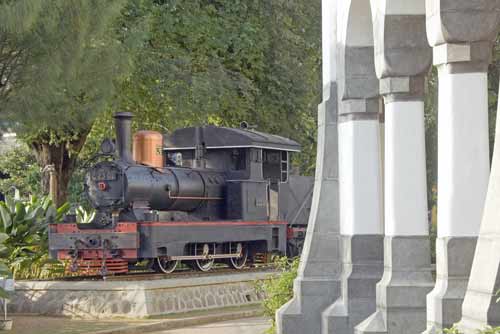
x,y
359,109
463,57
462,33
404,88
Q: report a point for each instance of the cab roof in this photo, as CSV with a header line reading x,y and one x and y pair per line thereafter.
x,y
221,137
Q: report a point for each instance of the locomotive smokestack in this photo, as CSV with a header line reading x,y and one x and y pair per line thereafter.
x,y
123,125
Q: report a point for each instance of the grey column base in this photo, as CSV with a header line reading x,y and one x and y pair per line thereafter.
x,y
403,289
363,266
480,308
302,314
454,257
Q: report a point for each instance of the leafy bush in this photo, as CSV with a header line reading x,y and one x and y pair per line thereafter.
x,y
490,330
486,330
4,268
22,171
279,289
25,223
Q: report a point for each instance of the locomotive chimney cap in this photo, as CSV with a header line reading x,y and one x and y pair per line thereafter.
x,y
124,115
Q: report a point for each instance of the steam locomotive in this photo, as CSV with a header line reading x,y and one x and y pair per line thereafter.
x,y
200,195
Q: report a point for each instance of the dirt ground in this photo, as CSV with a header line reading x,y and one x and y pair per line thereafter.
x,y
55,325
243,326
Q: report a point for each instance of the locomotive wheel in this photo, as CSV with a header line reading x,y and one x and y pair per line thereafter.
x,y
239,262
165,266
204,264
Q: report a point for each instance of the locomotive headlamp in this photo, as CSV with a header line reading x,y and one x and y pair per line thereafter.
x,y
108,147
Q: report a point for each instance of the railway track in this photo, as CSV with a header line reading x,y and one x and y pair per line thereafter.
x,y
145,275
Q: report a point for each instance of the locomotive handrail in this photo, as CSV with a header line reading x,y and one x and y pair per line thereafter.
x,y
194,197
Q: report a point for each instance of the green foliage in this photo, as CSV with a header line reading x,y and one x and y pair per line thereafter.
x,y
486,330
452,330
493,79
279,289
71,61
24,174
4,268
221,62
25,223
431,135
84,216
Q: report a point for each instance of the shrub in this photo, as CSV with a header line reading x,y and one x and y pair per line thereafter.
x,y
4,268
25,223
452,330
279,289
486,330
22,171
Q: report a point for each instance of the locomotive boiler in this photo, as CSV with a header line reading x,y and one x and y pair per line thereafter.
x,y
200,195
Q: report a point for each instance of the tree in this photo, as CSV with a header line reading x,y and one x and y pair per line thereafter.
x,y
67,58
14,42
493,79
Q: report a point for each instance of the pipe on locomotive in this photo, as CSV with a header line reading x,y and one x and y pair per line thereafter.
x,y
123,126
199,153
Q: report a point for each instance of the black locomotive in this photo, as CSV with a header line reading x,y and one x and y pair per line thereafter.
x,y
200,195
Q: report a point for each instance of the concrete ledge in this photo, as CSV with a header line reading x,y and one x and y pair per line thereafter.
x,y
184,322
136,299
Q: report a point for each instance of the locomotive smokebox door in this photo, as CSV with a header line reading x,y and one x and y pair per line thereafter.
x,y
247,200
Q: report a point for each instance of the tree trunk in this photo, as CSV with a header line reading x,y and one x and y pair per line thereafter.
x,y
62,155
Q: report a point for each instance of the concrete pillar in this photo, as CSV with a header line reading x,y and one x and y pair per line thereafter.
x,y
361,222
359,171
402,59
318,282
461,35
480,307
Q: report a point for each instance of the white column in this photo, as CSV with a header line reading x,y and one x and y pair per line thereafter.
x,y
359,178
480,306
463,149
329,40
405,173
